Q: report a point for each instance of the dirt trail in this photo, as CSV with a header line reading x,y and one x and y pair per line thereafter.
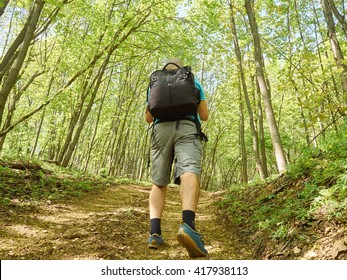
x,y
112,224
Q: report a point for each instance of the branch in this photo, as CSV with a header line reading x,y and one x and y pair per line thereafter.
x,y
22,119
325,128
3,7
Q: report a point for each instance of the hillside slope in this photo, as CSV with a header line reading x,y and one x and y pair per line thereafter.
x,y
54,214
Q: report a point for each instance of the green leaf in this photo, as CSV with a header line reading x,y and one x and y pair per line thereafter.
x,y
54,2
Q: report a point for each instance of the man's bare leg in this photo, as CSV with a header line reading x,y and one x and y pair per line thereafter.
x,y
156,207
189,191
187,235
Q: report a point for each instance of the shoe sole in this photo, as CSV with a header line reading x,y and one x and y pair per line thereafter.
x,y
193,250
153,245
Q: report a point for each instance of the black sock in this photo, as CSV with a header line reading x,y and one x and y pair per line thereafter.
x,y
155,226
188,217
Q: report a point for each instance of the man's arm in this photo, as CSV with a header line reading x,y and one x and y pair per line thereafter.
x,y
203,111
148,116
202,108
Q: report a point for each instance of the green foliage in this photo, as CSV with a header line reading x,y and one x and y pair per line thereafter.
x,y
38,185
304,82
58,3
315,187
304,163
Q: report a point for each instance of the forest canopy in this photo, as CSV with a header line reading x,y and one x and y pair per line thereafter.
x,y
74,75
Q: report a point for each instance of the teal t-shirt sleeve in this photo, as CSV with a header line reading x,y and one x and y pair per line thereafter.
x,y
201,90
148,91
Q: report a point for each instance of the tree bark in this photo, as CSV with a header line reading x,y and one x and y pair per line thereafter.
x,y
38,132
259,166
12,106
261,133
341,18
93,140
265,90
244,165
82,121
3,7
334,43
12,77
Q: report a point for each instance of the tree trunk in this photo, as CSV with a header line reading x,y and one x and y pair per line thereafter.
x,y
12,77
74,119
92,141
3,7
326,88
38,131
259,166
265,91
261,132
211,164
12,107
334,43
244,168
341,18
72,145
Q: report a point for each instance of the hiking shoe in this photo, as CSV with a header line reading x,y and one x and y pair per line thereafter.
x,y
154,241
192,241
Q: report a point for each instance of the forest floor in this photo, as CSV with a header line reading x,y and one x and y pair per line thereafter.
x,y
109,220
111,224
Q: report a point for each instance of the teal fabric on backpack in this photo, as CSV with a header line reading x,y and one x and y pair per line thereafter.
x,y
200,91
173,94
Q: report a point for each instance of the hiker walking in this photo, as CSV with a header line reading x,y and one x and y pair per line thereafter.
x,y
176,104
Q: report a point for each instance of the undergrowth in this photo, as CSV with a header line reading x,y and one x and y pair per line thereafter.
x,y
313,189
50,182
54,184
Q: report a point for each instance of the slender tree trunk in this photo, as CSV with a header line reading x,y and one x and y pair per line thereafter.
x,y
261,132
92,141
3,6
302,114
12,107
334,43
74,120
38,131
10,54
259,166
340,17
72,145
213,159
326,88
294,84
244,169
12,77
144,156
265,90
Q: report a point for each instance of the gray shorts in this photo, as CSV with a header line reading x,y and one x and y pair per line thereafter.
x,y
177,141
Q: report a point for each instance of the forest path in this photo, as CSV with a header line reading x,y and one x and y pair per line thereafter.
x,y
111,224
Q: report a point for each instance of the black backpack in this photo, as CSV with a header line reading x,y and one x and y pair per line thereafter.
x,y
173,94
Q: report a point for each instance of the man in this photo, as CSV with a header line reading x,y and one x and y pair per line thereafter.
x,y
177,140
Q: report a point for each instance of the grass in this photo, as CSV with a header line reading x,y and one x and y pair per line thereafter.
x,y
313,189
54,185
50,182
